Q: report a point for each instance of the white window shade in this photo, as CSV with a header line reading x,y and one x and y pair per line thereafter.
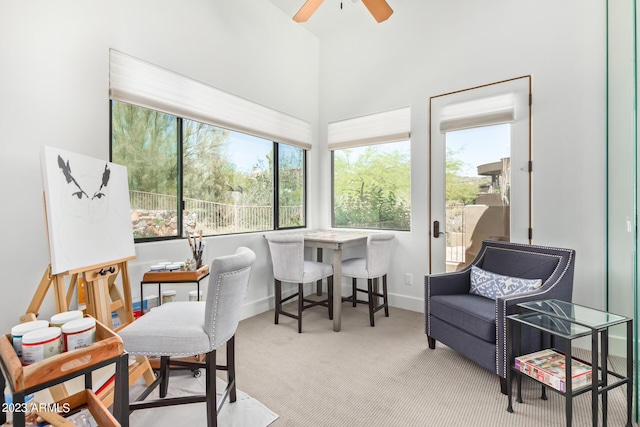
x,y
481,112
137,82
388,126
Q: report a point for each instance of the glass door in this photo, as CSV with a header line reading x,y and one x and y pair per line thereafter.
x,y
480,163
477,191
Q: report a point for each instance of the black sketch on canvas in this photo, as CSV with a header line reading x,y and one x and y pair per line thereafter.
x,y
66,170
88,210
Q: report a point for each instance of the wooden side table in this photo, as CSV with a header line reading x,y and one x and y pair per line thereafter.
x,y
171,277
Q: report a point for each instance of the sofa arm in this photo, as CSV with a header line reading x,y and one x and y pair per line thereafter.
x,y
443,284
447,283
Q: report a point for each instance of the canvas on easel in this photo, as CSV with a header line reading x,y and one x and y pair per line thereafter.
x,y
89,230
88,210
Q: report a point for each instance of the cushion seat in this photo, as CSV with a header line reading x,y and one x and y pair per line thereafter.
x,y
355,267
316,271
172,329
474,314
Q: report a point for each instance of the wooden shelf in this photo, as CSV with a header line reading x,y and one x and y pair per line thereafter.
x,y
54,370
175,276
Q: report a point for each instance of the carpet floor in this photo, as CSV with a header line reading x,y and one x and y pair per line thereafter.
x,y
385,376
364,376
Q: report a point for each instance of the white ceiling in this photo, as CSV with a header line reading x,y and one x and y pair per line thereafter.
x,y
330,19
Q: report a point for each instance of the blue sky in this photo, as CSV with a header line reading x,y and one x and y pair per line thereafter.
x,y
253,149
474,147
478,146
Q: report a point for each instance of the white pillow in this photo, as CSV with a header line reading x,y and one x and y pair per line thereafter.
x,y
492,285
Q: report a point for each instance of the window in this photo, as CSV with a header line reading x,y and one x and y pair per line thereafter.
x,y
146,142
477,190
291,186
222,181
371,164
201,159
372,187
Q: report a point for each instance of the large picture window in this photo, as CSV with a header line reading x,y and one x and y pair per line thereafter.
x,y
201,159
371,163
187,177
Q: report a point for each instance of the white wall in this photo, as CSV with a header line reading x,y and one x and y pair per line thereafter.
x,y
429,48
54,90
54,66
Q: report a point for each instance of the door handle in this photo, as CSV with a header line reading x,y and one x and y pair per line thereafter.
x,y
436,229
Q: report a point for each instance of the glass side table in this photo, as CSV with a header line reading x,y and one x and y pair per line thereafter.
x,y
567,321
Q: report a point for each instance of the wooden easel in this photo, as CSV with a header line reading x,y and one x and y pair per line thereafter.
x,y
102,298
102,294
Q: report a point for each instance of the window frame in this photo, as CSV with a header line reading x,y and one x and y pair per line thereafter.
x,y
370,130
276,192
333,192
180,189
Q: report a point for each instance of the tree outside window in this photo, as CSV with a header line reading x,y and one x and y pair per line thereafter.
x,y
223,183
372,187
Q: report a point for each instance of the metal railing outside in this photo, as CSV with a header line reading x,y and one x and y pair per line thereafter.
x,y
217,218
455,234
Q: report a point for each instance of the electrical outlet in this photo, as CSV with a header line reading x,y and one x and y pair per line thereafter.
x,y
408,279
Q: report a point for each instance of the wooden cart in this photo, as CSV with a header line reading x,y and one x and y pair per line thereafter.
x,y
25,380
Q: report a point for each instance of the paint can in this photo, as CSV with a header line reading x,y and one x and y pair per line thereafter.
x,y
79,333
168,296
64,317
195,296
19,330
40,344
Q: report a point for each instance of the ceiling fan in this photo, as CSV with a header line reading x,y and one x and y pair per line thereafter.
x,y
379,9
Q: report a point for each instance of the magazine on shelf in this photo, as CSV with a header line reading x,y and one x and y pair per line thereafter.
x,y
548,367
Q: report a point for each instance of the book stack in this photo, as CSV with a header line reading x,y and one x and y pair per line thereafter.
x,y
548,367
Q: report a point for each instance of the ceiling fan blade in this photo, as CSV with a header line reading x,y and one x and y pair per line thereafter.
x,y
380,9
307,10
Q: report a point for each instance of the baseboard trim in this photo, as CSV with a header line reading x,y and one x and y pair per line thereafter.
x,y
617,345
261,305
254,308
406,302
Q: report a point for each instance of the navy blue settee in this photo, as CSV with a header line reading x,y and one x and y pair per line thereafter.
x,y
474,325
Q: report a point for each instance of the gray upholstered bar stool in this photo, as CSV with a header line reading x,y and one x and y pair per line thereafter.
x,y
289,265
179,329
371,268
